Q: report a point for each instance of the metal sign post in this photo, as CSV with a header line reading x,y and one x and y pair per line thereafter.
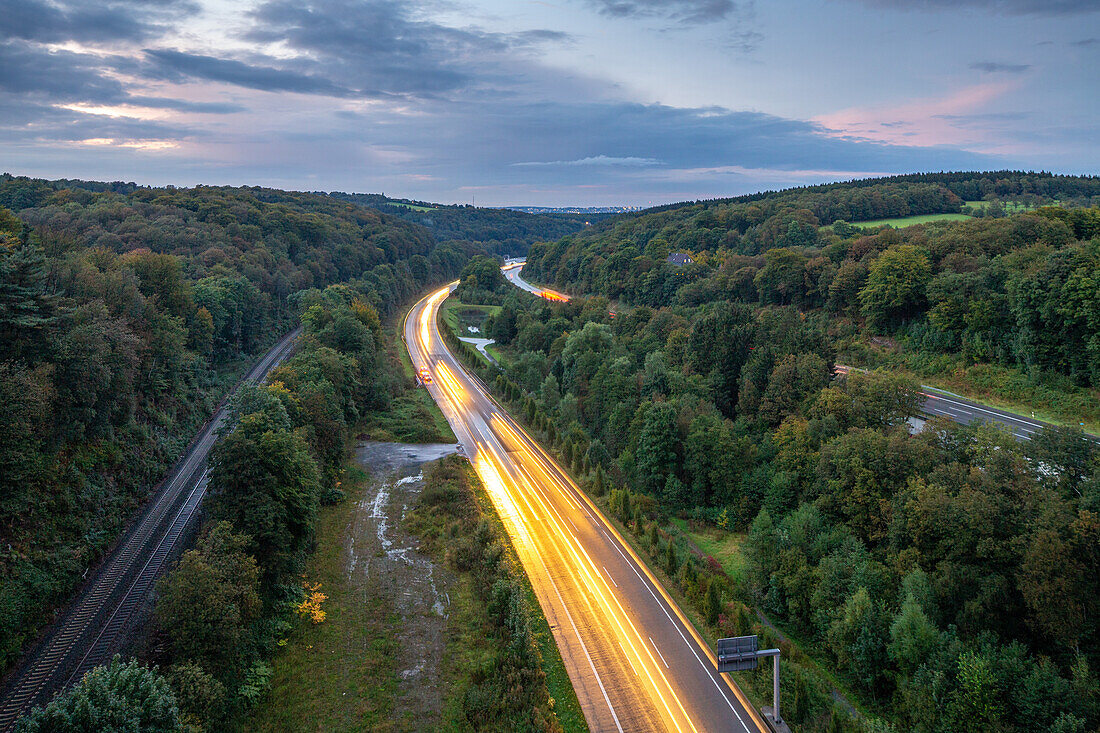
x,y
741,653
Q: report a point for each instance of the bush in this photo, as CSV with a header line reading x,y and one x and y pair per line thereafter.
x,y
121,696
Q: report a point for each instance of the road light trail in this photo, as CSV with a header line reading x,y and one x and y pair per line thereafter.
x,y
605,608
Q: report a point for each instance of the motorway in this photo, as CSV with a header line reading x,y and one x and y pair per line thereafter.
x,y
634,660
936,402
96,622
511,271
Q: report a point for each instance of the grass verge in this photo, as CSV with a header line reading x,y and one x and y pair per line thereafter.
x,y
1052,398
504,671
413,417
340,675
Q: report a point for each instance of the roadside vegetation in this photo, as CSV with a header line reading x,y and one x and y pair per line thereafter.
x,y
942,581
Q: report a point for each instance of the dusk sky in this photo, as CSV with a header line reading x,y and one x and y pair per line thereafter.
x,y
589,102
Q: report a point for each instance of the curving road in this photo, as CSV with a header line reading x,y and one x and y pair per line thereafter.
x,y
511,272
634,660
95,624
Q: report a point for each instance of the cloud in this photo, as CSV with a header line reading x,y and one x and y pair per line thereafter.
x,y
601,160
179,65
1086,42
684,11
920,122
89,21
1006,7
185,105
995,67
31,70
380,45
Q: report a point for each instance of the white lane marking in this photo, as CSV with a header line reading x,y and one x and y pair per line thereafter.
x,y
574,526
569,615
609,575
584,647
662,656
578,551
706,668
1000,415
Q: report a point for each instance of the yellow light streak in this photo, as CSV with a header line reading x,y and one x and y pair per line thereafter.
x,y
518,485
591,573
749,707
598,590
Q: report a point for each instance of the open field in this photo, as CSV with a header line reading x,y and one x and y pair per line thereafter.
x,y
341,674
459,315
1011,207
414,207
899,222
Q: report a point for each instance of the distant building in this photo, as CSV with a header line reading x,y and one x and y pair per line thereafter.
x,y
680,259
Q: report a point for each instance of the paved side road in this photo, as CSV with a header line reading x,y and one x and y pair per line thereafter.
x,y
966,412
94,625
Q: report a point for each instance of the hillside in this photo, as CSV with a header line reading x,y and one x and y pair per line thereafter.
x,y
944,580
126,312
504,232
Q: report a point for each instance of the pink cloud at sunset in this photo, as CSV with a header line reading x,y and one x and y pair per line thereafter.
x,y
956,119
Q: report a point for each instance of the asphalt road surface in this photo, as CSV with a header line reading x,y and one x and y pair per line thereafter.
x,y
511,271
94,625
636,663
964,411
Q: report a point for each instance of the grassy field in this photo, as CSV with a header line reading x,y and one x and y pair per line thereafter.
x,y
725,547
900,222
1011,207
414,207
413,416
341,675
459,315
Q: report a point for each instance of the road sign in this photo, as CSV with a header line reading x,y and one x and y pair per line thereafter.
x,y
737,653
741,652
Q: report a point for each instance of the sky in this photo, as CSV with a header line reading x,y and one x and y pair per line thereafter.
x,y
545,102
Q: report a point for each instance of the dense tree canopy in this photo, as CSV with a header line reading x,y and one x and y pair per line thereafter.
x,y
116,698
950,575
125,314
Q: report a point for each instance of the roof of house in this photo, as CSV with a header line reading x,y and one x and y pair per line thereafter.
x,y
679,258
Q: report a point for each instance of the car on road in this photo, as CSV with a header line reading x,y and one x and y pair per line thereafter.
x,y
425,375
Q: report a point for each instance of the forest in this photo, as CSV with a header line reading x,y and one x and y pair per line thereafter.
x,y
499,231
950,576
221,612
128,312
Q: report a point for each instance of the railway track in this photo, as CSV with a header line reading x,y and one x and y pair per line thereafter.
x,y
94,625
